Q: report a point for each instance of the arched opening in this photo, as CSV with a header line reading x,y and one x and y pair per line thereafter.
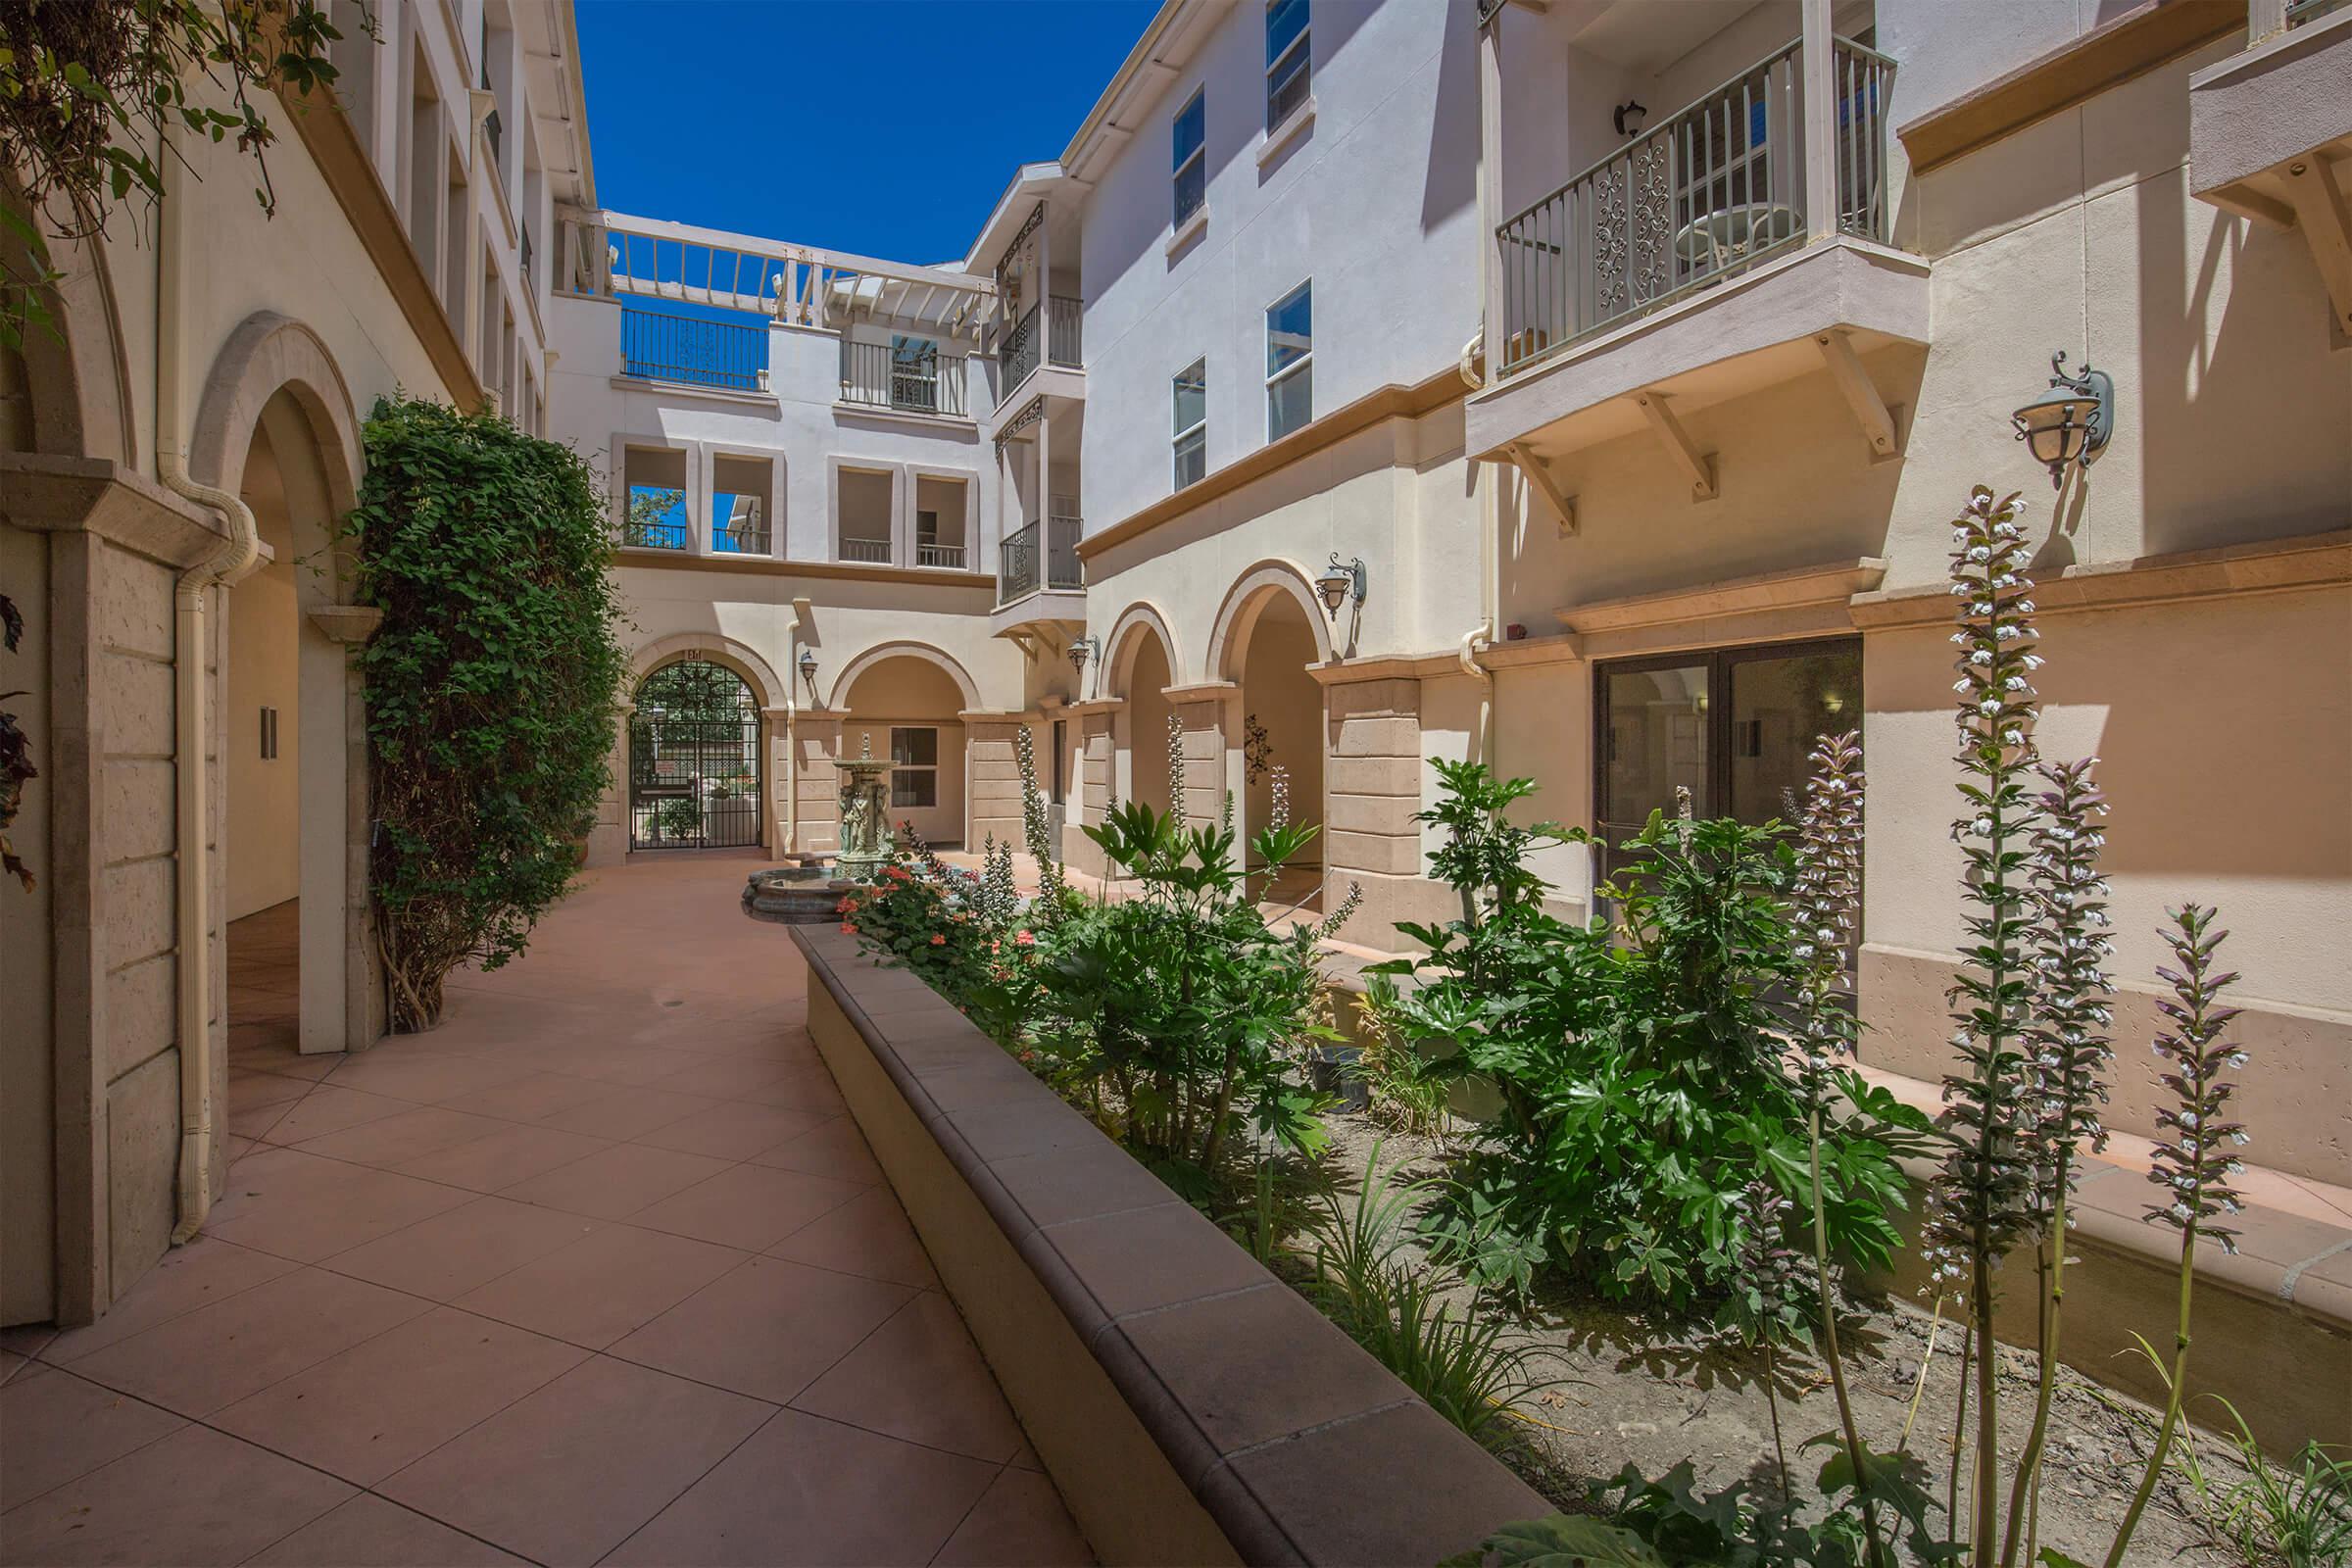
x,y
266,646
696,778
909,707
1280,739
1142,726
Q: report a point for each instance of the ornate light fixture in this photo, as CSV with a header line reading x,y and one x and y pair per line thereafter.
x,y
808,669
1082,649
1629,116
1341,584
2072,422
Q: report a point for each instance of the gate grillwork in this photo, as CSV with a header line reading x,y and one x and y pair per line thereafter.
x,y
694,777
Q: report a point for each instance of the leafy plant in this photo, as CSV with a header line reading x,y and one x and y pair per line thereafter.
x,y
678,818
1642,1073
87,89
15,754
491,687
1401,1092
2299,1514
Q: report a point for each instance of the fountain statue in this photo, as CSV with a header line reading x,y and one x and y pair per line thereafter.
x,y
865,839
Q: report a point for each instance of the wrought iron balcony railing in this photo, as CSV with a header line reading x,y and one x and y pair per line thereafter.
x,y
874,376
1060,341
1038,557
938,554
870,552
1715,188
661,347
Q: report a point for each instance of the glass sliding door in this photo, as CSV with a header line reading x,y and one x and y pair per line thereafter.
x,y
1732,725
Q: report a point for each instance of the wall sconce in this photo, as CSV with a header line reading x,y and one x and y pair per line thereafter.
x,y
2072,422
1341,584
1629,117
807,668
1082,649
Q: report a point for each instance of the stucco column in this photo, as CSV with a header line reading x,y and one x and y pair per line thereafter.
x,y
1096,721
334,740
992,789
1371,791
777,779
1212,724
608,835
817,741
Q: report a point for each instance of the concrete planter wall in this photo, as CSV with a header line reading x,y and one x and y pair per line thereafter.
x,y
1189,1405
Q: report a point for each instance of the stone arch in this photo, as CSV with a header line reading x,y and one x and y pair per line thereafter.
x,y
266,355
725,651
1230,639
1141,618
904,649
77,371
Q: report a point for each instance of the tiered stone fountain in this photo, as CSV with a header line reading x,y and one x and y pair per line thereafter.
x,y
807,889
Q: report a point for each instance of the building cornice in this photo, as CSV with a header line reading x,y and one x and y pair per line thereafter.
x,y
2302,563
334,147
1391,402
46,494
2129,44
1834,582
769,567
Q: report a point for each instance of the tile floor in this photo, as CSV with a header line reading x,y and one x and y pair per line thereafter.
x,y
599,1270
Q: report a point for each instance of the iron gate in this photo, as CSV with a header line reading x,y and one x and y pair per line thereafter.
x,y
694,783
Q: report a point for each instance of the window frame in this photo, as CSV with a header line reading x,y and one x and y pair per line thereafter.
x,y
1304,363
1302,68
771,501
1198,430
689,526
1197,158
927,772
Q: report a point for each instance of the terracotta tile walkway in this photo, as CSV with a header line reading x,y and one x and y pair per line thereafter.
x,y
597,1271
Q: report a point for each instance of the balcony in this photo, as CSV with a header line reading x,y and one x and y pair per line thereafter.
x,y
1039,577
1737,244
1059,343
877,376
658,346
2270,131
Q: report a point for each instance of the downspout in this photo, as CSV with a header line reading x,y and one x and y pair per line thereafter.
x,y
1489,587
223,566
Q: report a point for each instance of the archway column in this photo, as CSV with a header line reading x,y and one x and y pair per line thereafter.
x,y
1372,791
992,786
335,835
608,835
1097,739
1212,715
816,744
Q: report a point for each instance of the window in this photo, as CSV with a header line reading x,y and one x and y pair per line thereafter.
x,y
914,766
653,510
1290,362
939,510
915,373
868,501
1192,156
1287,70
740,489
1192,423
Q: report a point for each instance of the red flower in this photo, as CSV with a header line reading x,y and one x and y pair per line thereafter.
x,y
938,941
1024,938
849,928
846,906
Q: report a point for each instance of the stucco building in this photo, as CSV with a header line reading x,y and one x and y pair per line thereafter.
x,y
1584,388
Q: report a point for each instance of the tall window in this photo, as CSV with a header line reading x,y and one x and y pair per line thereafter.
x,y
1192,423
1192,156
914,766
1287,71
914,373
1290,362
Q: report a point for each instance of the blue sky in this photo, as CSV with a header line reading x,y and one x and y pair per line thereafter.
x,y
886,127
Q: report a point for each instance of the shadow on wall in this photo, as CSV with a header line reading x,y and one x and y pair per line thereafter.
x,y
1449,181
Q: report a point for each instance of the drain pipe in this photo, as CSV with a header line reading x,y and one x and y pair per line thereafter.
x,y
223,566
1489,586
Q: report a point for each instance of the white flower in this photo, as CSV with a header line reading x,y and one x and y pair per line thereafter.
x,y
1989,707
1978,553
2237,1058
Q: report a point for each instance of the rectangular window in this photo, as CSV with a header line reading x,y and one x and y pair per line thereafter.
x,y
914,766
1290,362
653,508
868,502
915,373
1192,423
1288,73
939,509
1192,156
740,490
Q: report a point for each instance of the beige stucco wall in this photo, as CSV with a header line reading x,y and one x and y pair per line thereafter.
x,y
262,842
911,692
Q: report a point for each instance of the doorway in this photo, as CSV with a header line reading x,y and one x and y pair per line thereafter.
x,y
696,779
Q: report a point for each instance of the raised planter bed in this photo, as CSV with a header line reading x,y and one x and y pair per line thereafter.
x,y
1189,1407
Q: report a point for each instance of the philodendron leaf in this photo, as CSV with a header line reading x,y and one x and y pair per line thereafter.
x,y
1559,1541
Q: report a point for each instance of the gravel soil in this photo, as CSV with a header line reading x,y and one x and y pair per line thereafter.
x,y
1631,1389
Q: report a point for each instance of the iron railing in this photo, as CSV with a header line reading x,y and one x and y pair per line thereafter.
x,y
872,375
872,551
1717,188
935,554
659,347
2299,11
746,531
1021,572
1060,342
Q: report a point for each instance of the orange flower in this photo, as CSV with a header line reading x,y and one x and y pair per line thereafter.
x,y
849,928
938,941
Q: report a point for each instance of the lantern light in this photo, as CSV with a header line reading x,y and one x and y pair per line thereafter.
x,y
1341,584
2072,422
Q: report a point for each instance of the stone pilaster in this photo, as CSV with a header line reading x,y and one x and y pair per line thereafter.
x,y
1098,737
608,835
817,741
1372,789
1208,715
992,801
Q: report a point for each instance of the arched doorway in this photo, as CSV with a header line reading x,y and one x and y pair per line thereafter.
x,y
1142,676
696,775
909,707
1276,739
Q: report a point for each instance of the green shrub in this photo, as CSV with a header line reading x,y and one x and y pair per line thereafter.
x,y
491,686
1641,1070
